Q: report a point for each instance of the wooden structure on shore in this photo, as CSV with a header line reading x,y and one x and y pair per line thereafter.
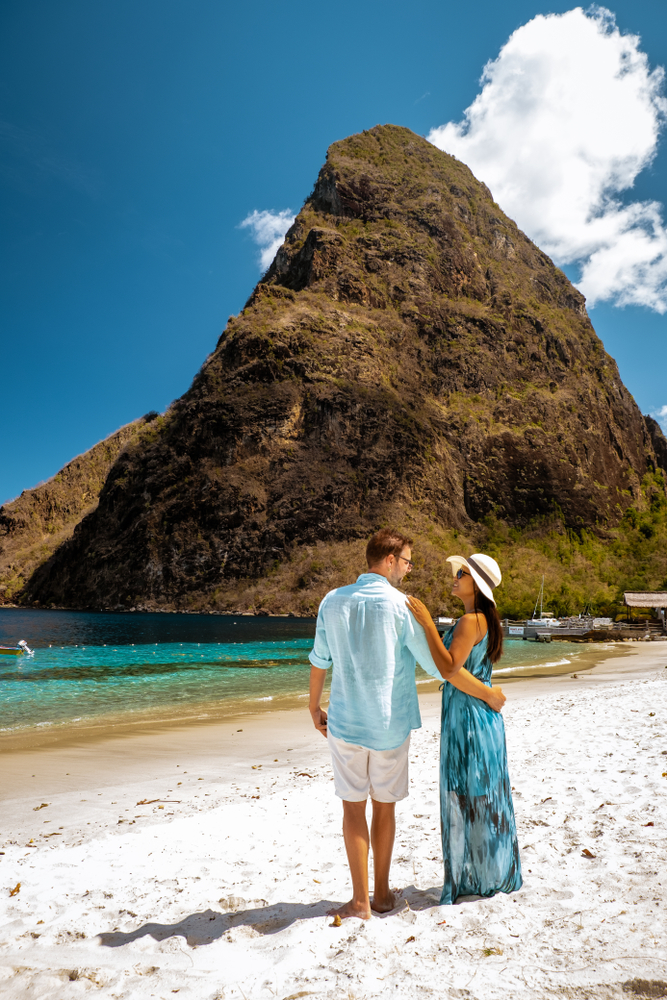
x,y
645,599
573,630
592,630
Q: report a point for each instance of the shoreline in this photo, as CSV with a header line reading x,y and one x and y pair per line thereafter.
x,y
161,611
212,713
202,860
236,736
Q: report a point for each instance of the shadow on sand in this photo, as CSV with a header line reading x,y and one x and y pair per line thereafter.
x,y
209,925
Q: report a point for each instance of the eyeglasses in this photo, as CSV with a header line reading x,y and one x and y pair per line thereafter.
x,y
408,561
461,572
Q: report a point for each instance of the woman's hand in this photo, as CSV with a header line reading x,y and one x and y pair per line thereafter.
x,y
420,611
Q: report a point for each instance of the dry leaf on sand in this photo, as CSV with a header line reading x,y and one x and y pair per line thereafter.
x,y
149,802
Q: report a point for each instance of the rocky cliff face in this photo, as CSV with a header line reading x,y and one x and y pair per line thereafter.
x,y
408,351
36,523
659,441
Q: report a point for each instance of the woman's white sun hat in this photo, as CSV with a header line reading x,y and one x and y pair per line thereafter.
x,y
484,570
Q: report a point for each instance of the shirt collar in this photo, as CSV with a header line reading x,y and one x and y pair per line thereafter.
x,y
368,577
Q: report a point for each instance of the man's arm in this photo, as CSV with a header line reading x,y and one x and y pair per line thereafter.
x,y
320,660
435,660
319,716
465,682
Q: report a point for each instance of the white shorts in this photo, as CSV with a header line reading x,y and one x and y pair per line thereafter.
x,y
359,771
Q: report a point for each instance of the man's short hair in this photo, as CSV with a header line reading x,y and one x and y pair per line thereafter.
x,y
385,542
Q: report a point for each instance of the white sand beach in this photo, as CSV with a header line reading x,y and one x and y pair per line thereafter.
x,y
133,885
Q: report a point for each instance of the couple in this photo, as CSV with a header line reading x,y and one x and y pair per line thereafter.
x,y
372,636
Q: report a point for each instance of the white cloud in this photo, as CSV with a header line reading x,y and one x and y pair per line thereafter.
x,y
268,231
569,114
661,416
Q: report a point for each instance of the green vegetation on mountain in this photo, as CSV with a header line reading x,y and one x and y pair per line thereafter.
x,y
410,357
583,570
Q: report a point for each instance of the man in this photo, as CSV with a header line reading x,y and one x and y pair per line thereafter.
x,y
367,634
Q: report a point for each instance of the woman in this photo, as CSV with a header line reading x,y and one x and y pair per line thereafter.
x,y
479,843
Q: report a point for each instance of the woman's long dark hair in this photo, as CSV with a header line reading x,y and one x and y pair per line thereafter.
x,y
494,641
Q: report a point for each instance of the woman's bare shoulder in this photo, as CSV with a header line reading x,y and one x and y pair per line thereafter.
x,y
472,624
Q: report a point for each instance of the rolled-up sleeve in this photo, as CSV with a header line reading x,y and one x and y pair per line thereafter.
x,y
320,655
414,637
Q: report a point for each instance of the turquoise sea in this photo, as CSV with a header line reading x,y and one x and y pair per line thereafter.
x,y
105,668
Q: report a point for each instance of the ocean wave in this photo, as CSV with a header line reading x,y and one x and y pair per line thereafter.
x,y
521,668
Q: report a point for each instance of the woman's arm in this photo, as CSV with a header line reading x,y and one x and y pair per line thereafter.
x,y
466,634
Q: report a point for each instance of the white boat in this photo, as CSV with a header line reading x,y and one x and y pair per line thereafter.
x,y
546,620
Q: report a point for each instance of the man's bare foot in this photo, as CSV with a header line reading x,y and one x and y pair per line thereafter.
x,y
351,909
383,904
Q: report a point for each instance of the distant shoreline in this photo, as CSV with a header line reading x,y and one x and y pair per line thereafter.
x,y
158,611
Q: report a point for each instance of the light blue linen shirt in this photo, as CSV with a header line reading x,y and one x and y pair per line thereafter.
x,y
366,633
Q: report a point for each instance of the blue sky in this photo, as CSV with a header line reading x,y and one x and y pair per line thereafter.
x,y
136,136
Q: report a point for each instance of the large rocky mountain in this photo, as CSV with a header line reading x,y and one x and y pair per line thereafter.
x,y
410,355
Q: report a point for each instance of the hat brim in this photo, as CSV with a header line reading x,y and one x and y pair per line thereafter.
x,y
457,562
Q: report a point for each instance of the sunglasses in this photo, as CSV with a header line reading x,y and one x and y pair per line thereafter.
x,y
462,572
408,561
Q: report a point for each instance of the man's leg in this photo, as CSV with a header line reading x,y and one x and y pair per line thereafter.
x,y
388,774
355,834
383,832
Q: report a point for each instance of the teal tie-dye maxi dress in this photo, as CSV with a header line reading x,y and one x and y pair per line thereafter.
x,y
479,842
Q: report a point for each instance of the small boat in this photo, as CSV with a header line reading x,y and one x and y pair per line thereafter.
x,y
545,619
22,647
